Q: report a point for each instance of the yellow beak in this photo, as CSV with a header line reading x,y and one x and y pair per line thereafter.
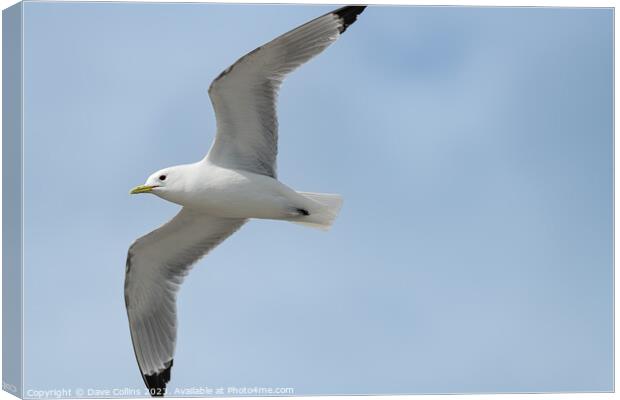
x,y
142,189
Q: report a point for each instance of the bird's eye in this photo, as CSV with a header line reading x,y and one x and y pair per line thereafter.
x,y
162,177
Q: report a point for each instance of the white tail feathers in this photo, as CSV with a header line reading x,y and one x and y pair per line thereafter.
x,y
323,210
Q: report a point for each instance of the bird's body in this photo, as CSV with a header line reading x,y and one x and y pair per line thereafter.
x,y
235,182
231,193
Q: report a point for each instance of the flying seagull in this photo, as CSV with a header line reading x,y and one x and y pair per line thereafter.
x,y
236,181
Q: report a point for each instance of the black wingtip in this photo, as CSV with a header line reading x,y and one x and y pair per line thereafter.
x,y
348,15
156,383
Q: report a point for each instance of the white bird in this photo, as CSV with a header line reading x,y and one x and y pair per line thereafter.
x,y
234,182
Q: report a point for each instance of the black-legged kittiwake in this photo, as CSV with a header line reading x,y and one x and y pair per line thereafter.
x,y
234,182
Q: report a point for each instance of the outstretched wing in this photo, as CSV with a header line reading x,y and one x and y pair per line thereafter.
x,y
244,95
156,265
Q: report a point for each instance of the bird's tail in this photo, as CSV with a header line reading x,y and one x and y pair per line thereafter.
x,y
321,216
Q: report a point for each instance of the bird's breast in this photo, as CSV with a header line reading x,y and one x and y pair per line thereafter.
x,y
238,194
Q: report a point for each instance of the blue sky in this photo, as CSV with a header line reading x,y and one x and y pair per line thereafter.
x,y
473,148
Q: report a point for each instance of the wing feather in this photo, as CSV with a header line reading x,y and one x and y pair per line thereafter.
x,y
244,95
156,266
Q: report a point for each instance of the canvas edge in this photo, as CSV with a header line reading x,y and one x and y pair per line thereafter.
x,y
12,205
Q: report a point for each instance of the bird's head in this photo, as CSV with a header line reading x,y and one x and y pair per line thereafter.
x,y
167,183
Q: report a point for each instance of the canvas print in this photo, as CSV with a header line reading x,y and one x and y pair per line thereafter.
x,y
334,200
